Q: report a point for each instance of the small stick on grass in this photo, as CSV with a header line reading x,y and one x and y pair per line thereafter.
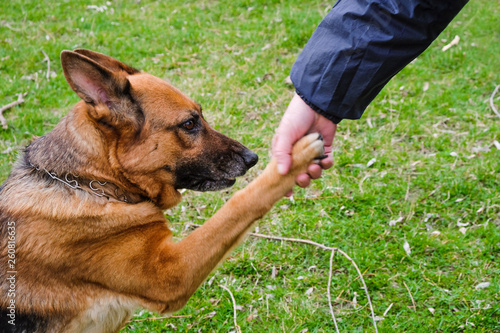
x,y
236,326
3,121
492,104
333,249
327,248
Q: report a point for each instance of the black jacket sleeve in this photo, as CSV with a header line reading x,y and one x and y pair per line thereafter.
x,y
360,45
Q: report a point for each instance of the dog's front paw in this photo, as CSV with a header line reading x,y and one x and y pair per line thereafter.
x,y
309,149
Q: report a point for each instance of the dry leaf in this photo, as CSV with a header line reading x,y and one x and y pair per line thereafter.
x,y
392,223
172,326
211,314
483,285
267,46
463,230
497,144
8,150
479,149
99,9
406,246
274,272
369,122
252,317
371,162
309,291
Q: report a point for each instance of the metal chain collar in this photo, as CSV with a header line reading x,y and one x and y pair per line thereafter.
x,y
71,181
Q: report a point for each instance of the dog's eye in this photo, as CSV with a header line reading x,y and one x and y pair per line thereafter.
x,y
189,125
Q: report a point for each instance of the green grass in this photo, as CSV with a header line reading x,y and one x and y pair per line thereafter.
x,y
436,162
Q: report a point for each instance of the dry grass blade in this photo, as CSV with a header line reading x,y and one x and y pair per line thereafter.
x,y
492,103
412,300
47,59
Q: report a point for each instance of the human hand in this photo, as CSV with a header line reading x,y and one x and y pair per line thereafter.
x,y
299,119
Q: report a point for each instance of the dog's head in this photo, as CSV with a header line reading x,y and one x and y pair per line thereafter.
x,y
155,137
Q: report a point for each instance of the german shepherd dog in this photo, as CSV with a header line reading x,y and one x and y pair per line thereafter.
x,y
84,241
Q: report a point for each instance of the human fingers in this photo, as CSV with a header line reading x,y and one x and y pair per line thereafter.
x,y
314,171
303,180
296,121
327,162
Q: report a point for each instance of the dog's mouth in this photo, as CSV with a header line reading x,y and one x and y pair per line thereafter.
x,y
204,185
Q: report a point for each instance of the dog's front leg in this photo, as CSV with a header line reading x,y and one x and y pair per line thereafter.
x,y
164,274
208,245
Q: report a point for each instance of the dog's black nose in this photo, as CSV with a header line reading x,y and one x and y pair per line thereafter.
x,y
250,158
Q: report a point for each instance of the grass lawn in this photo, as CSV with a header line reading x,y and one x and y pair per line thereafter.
x,y
420,168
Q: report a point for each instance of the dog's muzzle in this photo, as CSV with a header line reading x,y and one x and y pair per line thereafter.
x,y
213,173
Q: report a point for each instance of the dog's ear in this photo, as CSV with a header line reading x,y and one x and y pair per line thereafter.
x,y
107,61
94,83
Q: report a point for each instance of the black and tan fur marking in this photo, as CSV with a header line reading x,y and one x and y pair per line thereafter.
x,y
85,262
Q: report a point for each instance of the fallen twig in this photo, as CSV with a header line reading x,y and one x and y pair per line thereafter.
x,y
328,293
492,104
296,240
3,121
327,248
333,249
236,326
